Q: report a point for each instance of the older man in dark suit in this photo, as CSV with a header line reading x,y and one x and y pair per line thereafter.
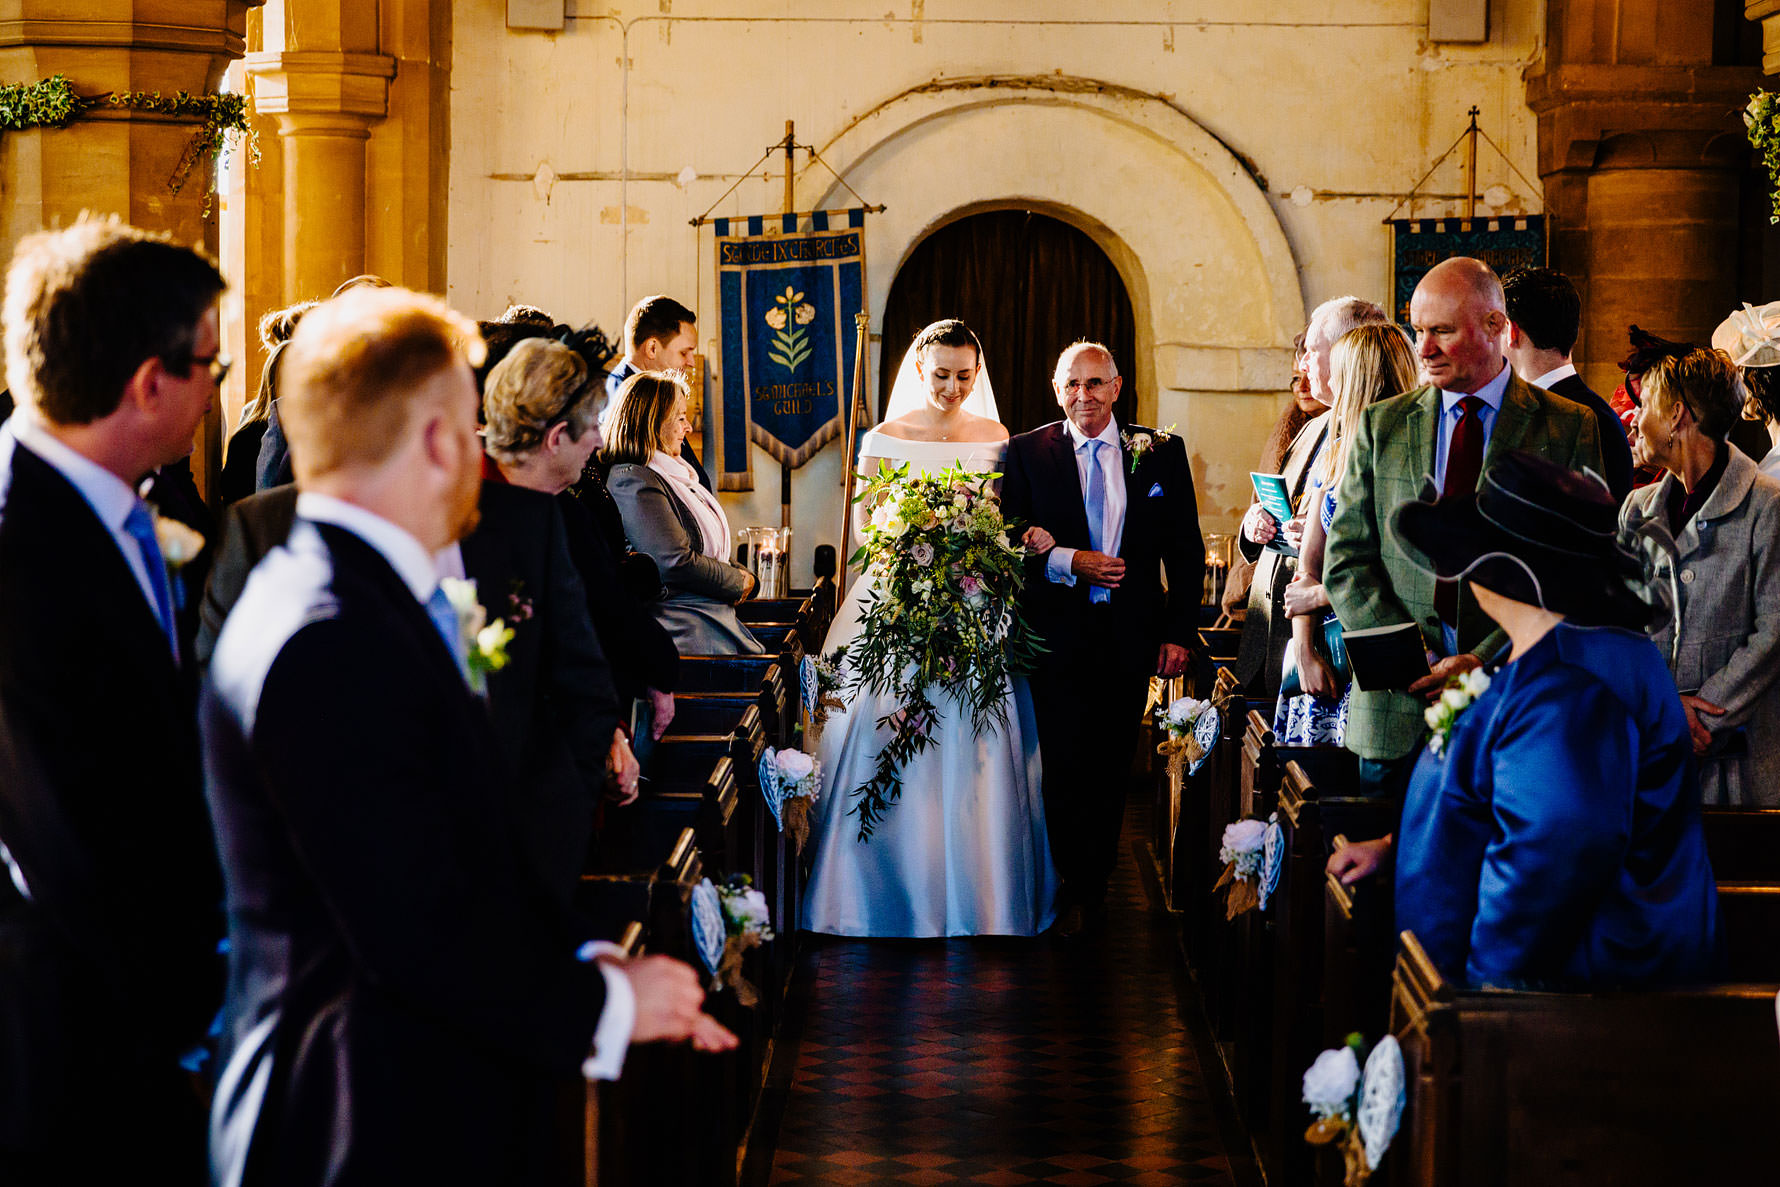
x,y
1120,504
110,919
402,1003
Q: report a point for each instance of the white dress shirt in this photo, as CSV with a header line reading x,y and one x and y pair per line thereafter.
x,y
109,496
1554,375
1059,564
420,572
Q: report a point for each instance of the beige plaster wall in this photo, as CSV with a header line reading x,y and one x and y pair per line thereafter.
x,y
1235,158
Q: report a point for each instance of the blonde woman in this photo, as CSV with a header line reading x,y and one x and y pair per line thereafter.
x,y
1369,363
673,519
243,453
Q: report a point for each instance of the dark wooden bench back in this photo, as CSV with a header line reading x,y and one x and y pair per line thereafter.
x,y
1743,843
1568,1090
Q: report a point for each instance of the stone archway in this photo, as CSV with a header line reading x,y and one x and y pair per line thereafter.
x,y
1212,279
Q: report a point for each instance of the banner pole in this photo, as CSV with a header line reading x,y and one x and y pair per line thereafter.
x,y
855,408
790,207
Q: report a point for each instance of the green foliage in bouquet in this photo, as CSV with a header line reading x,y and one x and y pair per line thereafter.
x,y
941,615
1762,119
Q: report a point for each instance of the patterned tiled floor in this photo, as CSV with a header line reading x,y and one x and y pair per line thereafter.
x,y
1004,1061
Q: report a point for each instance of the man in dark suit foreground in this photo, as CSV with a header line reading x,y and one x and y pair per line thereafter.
x,y
1121,506
110,918
553,707
403,998
1544,318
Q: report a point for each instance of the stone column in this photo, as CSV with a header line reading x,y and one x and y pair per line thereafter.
x,y
117,161
325,102
1642,155
1767,13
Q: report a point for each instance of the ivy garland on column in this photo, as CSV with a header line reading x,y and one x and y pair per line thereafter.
x,y
1762,118
52,103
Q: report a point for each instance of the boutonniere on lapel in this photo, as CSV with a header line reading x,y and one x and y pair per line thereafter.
x,y
1139,445
485,643
1460,693
179,544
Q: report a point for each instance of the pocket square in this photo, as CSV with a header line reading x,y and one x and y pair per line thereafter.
x,y
1156,491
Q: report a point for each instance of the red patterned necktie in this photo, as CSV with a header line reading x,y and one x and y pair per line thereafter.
x,y
1464,465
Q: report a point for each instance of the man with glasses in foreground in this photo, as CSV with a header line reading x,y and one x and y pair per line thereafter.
x,y
110,918
1120,503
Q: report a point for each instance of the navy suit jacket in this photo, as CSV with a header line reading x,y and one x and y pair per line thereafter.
x,y
1042,486
108,971
404,997
1616,449
553,706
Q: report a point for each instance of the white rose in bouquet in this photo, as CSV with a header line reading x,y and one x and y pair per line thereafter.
x,y
795,764
1242,845
1330,1082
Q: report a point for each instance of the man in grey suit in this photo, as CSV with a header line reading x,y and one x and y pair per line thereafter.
x,y
1472,409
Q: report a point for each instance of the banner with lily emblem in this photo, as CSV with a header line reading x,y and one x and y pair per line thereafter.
x,y
786,302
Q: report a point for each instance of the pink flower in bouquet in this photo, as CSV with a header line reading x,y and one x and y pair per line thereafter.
x,y
970,585
922,552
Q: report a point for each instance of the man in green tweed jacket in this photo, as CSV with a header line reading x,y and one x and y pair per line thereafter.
x,y
1459,320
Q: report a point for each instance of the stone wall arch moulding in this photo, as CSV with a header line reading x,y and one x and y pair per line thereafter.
x,y
1213,281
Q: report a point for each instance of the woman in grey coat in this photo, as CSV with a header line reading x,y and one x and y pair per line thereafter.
x,y
673,519
1722,516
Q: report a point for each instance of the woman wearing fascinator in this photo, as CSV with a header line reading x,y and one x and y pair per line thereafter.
x,y
963,851
1551,831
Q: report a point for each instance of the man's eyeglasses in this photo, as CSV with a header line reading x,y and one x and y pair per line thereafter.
x,y
217,364
1076,387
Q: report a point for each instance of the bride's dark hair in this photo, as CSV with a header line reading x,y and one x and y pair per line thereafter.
x,y
950,332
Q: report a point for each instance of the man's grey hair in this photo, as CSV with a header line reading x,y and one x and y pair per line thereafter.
x,y
1338,315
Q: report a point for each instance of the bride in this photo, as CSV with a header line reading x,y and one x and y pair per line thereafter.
x,y
964,850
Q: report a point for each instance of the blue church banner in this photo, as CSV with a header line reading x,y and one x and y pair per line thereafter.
x,y
1418,244
786,305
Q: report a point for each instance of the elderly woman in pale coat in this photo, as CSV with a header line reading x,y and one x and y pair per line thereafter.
x,y
1723,518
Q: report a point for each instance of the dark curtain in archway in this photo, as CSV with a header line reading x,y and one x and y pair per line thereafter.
x,y
1029,285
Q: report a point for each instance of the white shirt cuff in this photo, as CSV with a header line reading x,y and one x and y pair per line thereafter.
x,y
1060,565
611,1038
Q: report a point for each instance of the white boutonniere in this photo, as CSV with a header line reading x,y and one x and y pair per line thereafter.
x,y
1460,692
1138,445
485,643
179,544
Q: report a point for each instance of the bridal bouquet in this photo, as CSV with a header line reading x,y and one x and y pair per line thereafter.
x,y
940,617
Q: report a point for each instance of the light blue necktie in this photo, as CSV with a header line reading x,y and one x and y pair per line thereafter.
x,y
444,616
1096,514
139,525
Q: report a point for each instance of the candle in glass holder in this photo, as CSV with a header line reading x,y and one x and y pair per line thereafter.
x,y
768,569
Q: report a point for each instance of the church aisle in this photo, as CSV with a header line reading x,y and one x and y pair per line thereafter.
x,y
1006,1061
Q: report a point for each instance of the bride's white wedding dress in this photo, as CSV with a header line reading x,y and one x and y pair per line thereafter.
x,y
964,851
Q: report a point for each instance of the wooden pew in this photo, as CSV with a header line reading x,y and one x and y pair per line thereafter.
x,y
1359,945
1295,921
1218,786
1566,1090
670,1117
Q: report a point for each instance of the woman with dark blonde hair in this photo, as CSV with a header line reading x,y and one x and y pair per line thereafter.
x,y
673,519
1369,363
243,452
